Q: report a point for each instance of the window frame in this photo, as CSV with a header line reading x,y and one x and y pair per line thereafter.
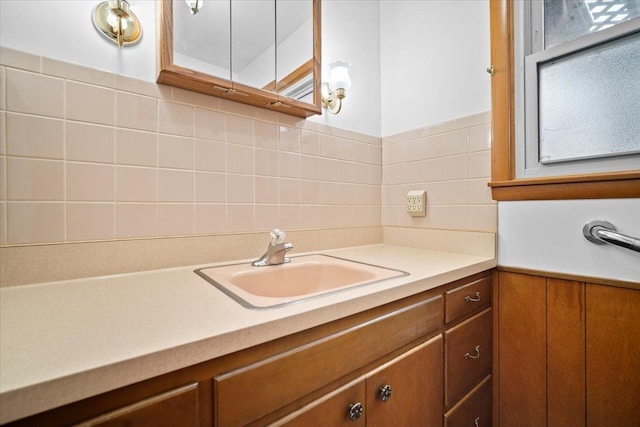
x,y
504,183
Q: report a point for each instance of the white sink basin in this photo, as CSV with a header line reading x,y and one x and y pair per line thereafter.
x,y
303,278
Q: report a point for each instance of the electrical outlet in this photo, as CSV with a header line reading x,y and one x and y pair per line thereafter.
x,y
417,202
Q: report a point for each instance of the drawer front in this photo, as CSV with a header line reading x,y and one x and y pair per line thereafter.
x,y
270,384
464,299
175,408
468,354
474,410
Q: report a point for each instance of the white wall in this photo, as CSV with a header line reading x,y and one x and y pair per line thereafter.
x,y
62,29
351,31
547,236
434,56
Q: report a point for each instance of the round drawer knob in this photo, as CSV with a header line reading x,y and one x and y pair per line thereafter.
x,y
384,392
355,411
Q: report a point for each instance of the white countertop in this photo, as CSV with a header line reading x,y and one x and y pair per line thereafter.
x,y
64,341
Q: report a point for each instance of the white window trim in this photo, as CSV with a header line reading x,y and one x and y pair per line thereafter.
x,y
528,15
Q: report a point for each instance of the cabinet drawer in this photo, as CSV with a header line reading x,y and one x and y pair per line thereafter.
x,y
174,408
474,409
464,299
270,384
468,353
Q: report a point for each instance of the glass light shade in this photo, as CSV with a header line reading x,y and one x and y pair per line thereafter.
x,y
194,5
324,90
339,75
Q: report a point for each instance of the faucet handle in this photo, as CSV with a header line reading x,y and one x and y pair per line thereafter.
x,y
277,236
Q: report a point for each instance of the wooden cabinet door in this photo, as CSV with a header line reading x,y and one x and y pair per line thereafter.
x,y
416,382
330,410
613,352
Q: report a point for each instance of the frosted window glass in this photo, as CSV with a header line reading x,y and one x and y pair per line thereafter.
x,y
589,102
566,20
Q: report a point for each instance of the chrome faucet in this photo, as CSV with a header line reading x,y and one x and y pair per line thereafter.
x,y
276,250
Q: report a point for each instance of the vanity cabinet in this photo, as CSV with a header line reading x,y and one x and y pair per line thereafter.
x,y
403,351
285,378
407,391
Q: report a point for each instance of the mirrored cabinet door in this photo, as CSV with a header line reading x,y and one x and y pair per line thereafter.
x,y
294,53
260,52
253,41
202,40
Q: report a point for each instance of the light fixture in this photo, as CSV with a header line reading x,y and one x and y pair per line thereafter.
x,y
340,80
115,21
194,5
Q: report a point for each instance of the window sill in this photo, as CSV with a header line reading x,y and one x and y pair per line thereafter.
x,y
592,186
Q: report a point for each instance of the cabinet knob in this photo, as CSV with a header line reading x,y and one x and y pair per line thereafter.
x,y
472,299
473,356
384,392
476,422
355,411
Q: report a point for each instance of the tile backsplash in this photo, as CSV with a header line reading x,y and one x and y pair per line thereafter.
x,y
452,162
89,155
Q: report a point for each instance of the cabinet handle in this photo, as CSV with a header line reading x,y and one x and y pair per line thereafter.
x,y
355,411
471,299
470,356
384,392
476,423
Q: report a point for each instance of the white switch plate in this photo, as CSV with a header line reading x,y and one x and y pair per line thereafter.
x,y
417,202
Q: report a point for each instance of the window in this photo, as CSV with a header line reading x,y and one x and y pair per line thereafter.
x,y
577,86
506,19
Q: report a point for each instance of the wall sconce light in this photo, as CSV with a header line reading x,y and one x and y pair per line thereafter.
x,y
340,80
115,21
194,5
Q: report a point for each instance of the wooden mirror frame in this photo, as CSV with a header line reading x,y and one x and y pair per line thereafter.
x,y
185,78
504,184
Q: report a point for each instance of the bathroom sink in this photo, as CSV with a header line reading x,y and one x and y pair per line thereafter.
x,y
304,277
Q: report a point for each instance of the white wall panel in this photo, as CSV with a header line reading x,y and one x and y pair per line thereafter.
x,y
547,236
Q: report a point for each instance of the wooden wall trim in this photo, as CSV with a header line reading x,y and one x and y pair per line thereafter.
x,y
502,95
504,185
571,277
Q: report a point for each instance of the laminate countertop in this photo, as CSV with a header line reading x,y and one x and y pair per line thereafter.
x,y
64,341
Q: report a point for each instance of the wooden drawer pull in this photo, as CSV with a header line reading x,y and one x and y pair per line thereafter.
x,y
476,423
470,356
472,299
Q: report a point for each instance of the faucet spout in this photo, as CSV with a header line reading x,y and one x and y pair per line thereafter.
x,y
275,253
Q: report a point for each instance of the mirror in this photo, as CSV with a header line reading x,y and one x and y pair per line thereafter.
x,y
260,52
